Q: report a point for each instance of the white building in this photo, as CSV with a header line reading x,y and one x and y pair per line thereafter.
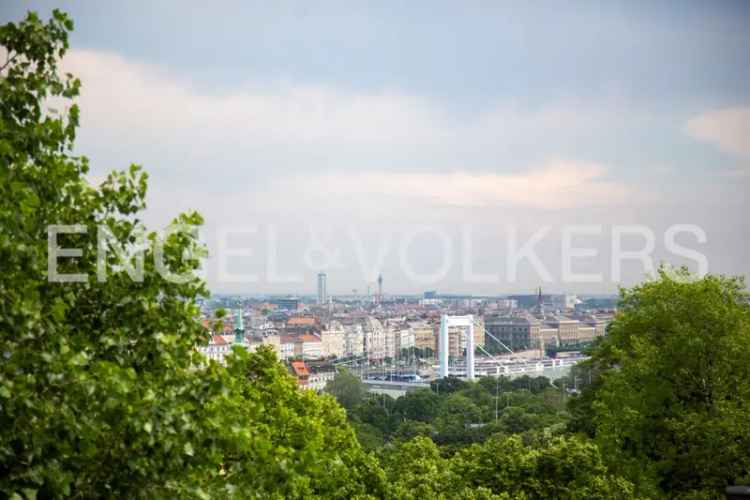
x,y
286,346
406,339
333,338
217,349
309,347
374,339
318,380
354,340
390,337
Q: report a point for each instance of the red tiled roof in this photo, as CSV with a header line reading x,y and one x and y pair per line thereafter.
x,y
308,338
300,368
218,339
301,321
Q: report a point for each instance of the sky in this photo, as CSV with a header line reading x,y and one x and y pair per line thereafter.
x,y
426,142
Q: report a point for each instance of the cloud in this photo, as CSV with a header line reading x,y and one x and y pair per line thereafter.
x,y
727,129
299,126
290,153
554,185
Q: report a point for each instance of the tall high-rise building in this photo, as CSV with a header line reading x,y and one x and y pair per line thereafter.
x,y
322,293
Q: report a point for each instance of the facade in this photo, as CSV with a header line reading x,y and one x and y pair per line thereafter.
x,y
548,337
390,342
217,348
354,340
424,335
286,346
287,304
334,340
318,380
479,336
405,339
567,329
374,339
302,323
308,347
516,332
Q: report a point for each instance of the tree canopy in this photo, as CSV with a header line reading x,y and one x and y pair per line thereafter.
x,y
669,403
102,392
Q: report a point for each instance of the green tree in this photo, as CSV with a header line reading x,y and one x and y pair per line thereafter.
x,y
458,420
409,429
416,470
671,404
102,393
347,388
377,410
447,385
516,420
564,468
422,405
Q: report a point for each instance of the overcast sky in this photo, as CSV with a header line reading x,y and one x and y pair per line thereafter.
x,y
363,139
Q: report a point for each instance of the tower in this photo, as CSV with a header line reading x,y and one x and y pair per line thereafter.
x,y
539,302
380,287
322,293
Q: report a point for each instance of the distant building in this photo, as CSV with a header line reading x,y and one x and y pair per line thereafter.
x,y
308,347
216,349
374,339
404,339
322,292
311,375
424,335
300,372
567,329
515,332
319,379
354,340
333,338
274,341
288,304
302,323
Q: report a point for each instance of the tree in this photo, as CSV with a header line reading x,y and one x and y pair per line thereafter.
x,y
377,410
409,429
516,420
347,388
458,420
421,405
447,385
565,468
416,470
102,392
670,404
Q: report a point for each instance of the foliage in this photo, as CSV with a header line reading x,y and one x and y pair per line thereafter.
x,y
563,467
504,467
101,390
670,404
461,412
347,388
